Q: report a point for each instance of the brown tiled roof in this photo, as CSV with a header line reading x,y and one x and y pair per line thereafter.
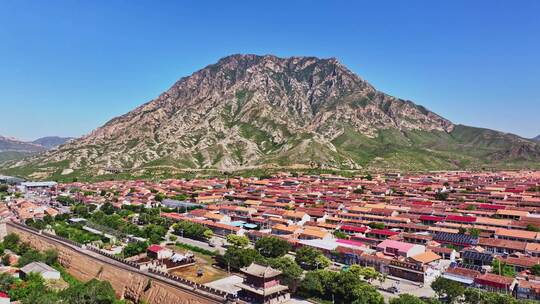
x,y
515,245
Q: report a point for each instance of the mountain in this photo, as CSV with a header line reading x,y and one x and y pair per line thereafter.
x,y
14,149
50,142
8,144
537,138
249,111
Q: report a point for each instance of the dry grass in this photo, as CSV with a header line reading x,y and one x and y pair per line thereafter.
x,y
203,262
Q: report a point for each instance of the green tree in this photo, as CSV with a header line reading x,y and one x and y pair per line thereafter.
x,y
340,234
441,196
311,285
29,257
132,249
65,200
358,190
6,280
208,234
11,241
291,272
236,258
531,227
366,294
370,274
310,258
501,268
272,246
406,299
33,283
50,256
237,240
5,259
108,208
475,232
376,225
190,230
447,289
91,292
536,269
159,197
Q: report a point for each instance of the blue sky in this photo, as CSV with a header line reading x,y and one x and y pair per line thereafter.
x,y
66,67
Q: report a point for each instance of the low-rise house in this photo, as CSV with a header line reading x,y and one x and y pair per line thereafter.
x,y
4,298
462,275
516,235
158,252
311,233
528,290
502,246
296,217
46,271
397,248
476,257
495,283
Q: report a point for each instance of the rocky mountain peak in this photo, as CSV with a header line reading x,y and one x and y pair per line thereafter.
x,y
251,110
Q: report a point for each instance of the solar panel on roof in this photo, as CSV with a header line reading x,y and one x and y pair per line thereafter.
x,y
477,256
470,267
455,238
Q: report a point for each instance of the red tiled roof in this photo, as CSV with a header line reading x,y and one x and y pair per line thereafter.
x,y
383,232
155,248
461,218
354,228
431,218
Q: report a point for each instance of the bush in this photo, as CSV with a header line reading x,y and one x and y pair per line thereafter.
x,y
134,248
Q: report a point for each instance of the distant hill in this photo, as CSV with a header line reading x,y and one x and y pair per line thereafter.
x,y
50,142
537,138
250,111
14,149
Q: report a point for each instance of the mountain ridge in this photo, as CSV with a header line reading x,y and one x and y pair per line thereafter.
x,y
13,149
50,142
250,111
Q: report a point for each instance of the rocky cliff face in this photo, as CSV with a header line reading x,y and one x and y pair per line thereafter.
x,y
247,110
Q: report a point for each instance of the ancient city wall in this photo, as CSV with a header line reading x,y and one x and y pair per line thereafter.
x,y
127,283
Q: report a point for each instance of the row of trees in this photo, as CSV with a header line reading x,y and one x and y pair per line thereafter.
x,y
449,291
346,286
192,230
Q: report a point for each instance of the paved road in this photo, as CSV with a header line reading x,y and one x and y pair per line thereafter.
x,y
403,287
204,245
